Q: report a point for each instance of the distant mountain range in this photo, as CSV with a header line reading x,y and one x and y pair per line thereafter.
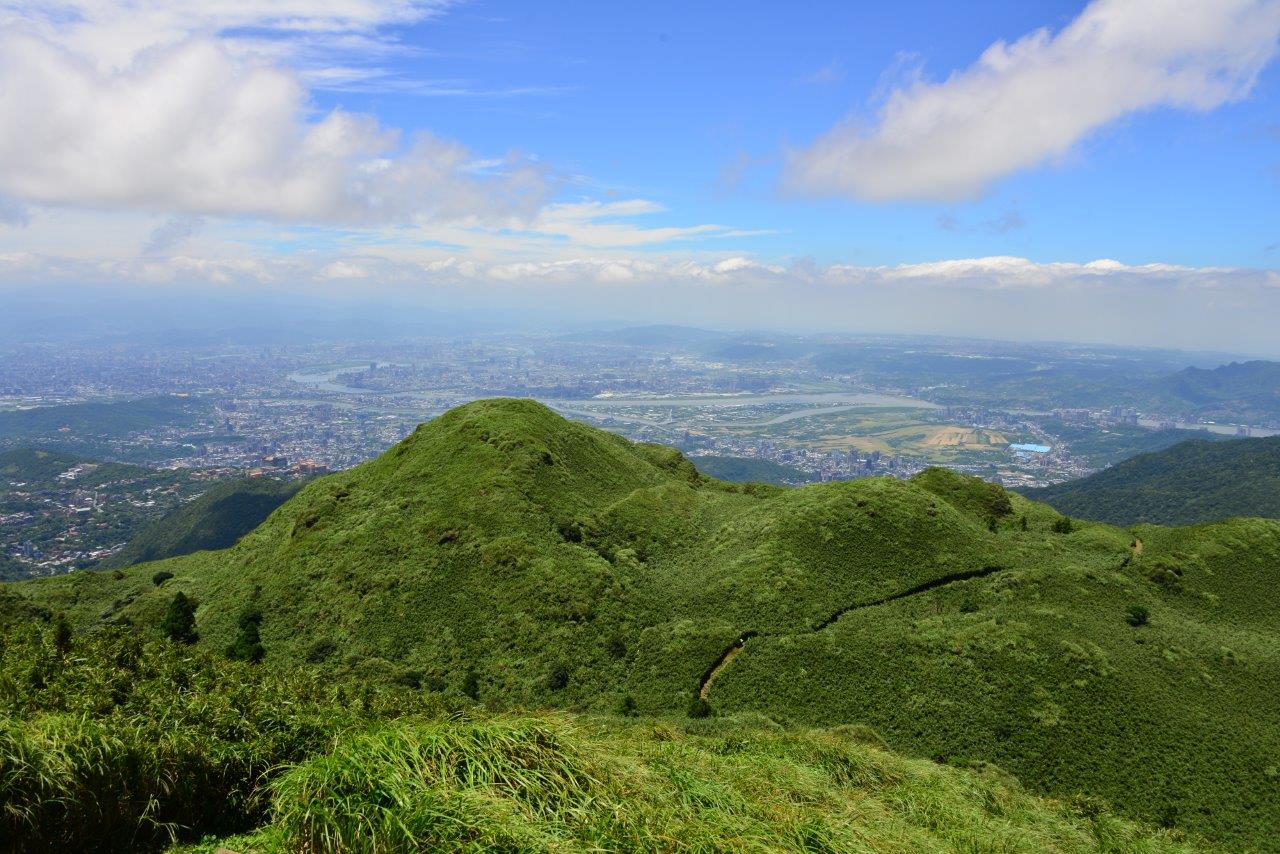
x,y
1192,482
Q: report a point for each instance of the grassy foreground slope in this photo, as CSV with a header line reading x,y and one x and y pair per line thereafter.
x,y
109,743
1191,482
506,555
215,520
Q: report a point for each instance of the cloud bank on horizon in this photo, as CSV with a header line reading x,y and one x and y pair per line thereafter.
x,y
201,145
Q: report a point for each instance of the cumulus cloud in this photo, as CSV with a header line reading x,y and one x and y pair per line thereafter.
x,y
1027,102
149,106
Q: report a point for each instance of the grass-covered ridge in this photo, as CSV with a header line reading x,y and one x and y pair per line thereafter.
x,y
504,556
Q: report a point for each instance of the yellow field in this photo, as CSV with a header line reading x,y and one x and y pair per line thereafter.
x,y
963,437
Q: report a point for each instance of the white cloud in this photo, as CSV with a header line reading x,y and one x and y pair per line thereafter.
x,y
1028,102
1108,301
143,106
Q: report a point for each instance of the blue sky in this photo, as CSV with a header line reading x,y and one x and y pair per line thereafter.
x,y
1046,169
691,105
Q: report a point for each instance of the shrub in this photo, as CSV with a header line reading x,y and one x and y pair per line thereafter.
x,y
321,650
471,685
558,677
699,708
616,647
1063,525
62,635
161,577
248,643
180,620
1137,615
627,706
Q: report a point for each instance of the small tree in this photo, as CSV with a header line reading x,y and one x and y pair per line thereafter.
x,y
1137,615
180,620
992,524
1022,523
627,706
1063,525
248,643
62,635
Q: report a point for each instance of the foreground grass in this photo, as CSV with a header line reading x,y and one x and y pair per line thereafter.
x,y
111,744
560,783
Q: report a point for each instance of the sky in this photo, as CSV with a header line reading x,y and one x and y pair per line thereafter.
x,y
1105,171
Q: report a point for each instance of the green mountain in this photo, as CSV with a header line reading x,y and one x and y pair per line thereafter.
x,y
1241,391
504,555
1192,482
215,520
747,470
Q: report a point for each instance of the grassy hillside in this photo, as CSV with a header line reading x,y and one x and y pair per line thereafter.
x,y
504,555
215,520
112,744
1195,481
747,470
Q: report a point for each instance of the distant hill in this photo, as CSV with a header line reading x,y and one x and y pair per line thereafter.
x,y
747,470
503,555
215,520
1245,391
79,420
1192,482
39,468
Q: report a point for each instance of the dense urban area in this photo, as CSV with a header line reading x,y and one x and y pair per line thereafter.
x,y
126,433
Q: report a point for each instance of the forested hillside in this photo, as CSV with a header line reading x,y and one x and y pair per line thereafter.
x,y
1192,482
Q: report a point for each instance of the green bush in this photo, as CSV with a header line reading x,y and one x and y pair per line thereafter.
x,y
699,708
160,577
180,619
1137,615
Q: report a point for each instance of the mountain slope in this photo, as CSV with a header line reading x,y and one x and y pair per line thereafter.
x,y
503,553
1192,482
215,520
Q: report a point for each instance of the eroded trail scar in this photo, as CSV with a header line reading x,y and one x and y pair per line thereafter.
x,y
1137,547
735,649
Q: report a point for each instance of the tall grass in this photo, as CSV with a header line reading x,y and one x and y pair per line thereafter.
x,y
122,745
556,783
